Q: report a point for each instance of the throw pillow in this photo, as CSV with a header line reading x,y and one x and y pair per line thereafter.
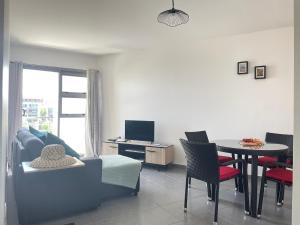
x,y
52,139
40,134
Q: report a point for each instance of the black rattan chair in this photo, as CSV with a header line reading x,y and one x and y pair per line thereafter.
x,y
197,136
280,173
271,162
201,137
285,139
203,164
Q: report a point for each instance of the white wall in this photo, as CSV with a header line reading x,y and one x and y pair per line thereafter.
x,y
296,187
52,57
193,85
4,68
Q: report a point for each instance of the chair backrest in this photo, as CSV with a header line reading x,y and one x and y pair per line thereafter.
x,y
285,139
197,136
202,161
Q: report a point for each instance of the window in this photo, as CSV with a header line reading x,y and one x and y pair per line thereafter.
x,y
72,110
54,100
40,98
75,84
73,106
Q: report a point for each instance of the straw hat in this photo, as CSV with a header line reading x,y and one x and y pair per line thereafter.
x,y
53,156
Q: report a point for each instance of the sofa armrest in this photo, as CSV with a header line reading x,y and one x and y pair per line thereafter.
x,y
69,180
93,167
51,194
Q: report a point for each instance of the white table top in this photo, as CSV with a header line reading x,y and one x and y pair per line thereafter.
x,y
234,146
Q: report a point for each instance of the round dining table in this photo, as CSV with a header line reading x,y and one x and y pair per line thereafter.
x,y
267,149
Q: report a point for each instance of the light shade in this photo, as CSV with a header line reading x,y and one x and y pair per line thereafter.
x,y
173,17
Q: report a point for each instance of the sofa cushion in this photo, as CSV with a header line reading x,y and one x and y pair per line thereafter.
x,y
41,135
32,144
52,139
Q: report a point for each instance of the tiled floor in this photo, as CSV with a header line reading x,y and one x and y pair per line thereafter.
x,y
160,202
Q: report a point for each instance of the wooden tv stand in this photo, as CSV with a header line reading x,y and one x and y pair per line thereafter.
x,y
155,154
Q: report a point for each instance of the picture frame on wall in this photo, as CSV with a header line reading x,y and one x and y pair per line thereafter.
x,y
260,72
242,67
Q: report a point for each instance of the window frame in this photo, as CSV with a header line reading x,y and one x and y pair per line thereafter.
x,y
62,72
63,94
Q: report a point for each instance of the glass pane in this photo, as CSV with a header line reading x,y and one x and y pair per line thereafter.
x,y
74,84
72,131
40,100
73,105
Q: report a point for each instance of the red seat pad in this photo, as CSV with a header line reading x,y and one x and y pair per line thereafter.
x,y
281,174
223,159
227,172
266,159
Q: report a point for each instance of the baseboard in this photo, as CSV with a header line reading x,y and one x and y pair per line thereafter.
x,y
175,165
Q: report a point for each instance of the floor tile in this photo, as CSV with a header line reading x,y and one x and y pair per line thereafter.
x,y
160,202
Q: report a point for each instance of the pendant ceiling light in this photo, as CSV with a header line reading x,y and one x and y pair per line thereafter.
x,y
173,17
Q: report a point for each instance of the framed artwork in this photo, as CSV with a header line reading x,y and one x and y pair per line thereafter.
x,y
242,67
260,72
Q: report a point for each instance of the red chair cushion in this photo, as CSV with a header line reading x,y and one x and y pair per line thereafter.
x,y
280,174
227,173
266,159
223,159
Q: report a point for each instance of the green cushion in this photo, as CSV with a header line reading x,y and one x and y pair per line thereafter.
x,y
52,139
40,134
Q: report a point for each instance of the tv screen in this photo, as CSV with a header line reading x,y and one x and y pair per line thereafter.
x,y
139,130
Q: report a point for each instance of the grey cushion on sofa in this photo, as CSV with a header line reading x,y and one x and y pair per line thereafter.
x,y
30,142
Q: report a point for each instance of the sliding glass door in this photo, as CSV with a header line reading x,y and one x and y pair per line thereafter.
x,y
54,100
40,100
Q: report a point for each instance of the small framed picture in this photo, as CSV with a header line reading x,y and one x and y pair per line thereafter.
x,y
260,72
242,67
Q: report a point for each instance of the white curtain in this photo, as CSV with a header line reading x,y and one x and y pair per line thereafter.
x,y
15,103
94,113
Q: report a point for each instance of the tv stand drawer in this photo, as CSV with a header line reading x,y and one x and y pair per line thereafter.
x,y
159,156
109,149
149,153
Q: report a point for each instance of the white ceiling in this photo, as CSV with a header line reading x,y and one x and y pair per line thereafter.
x,y
107,26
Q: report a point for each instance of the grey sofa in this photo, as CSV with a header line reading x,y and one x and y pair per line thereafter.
x,y
43,196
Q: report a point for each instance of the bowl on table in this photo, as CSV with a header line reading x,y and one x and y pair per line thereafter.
x,y
251,142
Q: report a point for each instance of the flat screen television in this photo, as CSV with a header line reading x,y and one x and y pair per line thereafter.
x,y
139,130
